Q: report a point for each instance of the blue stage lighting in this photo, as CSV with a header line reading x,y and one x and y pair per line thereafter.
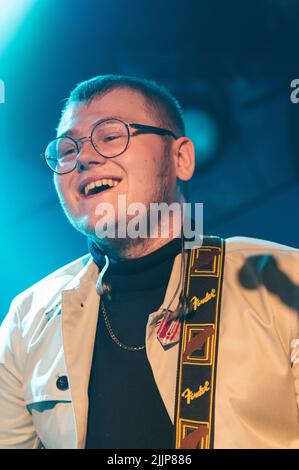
x,y
12,12
203,129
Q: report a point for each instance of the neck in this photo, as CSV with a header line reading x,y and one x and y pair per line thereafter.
x,y
131,248
123,249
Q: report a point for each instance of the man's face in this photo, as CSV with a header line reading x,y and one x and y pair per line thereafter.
x,y
145,172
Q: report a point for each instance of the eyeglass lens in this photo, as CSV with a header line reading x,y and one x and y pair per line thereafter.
x,y
109,139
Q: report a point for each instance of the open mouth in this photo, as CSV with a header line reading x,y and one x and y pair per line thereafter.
x,y
99,186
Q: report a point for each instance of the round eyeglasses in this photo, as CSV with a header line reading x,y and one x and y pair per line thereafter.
x,y
109,138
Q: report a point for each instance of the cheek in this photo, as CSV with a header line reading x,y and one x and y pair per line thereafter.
x,y
146,169
61,186
144,179
57,185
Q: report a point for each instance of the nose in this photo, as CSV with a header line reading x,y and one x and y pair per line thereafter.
x,y
88,156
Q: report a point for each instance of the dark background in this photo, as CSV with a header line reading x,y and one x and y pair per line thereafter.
x,y
232,62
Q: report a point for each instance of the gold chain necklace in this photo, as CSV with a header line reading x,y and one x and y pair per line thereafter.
x,y
113,336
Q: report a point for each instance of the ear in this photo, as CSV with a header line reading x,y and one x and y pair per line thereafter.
x,y
184,155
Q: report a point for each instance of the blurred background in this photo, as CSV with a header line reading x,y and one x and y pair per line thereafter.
x,y
230,64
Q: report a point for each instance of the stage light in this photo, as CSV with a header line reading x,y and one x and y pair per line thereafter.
x,y
208,117
203,129
12,12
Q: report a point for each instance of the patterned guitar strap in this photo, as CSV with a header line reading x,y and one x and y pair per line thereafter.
x,y
197,363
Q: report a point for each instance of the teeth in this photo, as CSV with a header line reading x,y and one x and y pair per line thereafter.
x,y
98,183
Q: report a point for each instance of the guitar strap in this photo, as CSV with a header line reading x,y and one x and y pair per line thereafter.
x,y
197,363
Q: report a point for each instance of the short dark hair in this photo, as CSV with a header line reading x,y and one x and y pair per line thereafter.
x,y
161,104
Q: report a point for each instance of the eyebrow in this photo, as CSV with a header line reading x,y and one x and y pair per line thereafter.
x,y
71,133
64,134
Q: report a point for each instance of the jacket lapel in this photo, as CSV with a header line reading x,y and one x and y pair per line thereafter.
x,y
80,305
164,361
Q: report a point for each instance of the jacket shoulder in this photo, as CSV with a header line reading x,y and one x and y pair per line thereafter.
x,y
70,269
258,246
47,288
254,263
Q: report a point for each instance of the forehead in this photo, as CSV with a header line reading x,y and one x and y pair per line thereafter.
x,y
125,104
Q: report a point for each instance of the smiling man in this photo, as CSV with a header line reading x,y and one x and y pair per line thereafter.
x,y
142,343
119,121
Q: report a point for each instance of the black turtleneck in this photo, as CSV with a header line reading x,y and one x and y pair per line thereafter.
x,y
126,410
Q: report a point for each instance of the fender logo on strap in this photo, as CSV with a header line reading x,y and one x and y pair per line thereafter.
x,y
196,302
202,389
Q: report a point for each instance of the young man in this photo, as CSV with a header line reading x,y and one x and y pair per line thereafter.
x,y
89,357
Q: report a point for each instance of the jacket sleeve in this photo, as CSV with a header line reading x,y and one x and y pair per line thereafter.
x,y
295,365
294,343
16,425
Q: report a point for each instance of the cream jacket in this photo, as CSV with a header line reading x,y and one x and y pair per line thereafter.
x,y
50,329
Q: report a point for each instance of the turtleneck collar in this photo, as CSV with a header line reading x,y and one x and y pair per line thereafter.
x,y
141,273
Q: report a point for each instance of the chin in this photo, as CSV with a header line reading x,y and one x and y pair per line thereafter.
x,y
98,229
81,224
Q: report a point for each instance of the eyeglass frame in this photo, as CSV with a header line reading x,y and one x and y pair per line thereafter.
x,y
142,127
